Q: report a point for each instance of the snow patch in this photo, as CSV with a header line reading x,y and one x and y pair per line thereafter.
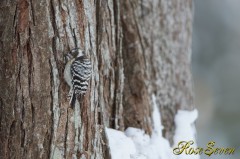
x,y
120,145
185,130
135,144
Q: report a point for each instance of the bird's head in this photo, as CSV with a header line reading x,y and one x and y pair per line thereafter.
x,y
76,52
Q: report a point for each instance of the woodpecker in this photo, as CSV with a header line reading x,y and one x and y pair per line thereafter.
x,y
77,73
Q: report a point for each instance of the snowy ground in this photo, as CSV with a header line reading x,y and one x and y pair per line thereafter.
x,y
135,144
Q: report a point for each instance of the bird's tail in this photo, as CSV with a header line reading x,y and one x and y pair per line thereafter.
x,y
73,100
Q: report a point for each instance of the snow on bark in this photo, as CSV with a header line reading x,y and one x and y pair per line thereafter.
x,y
135,144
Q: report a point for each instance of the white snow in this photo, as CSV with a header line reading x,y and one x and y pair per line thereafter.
x,y
135,144
120,145
185,130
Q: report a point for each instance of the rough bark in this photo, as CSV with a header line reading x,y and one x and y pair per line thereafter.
x,y
138,48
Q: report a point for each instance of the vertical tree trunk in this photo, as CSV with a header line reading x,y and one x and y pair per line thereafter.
x,y
137,48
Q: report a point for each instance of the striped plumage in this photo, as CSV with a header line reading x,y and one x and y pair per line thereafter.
x,y
77,73
81,71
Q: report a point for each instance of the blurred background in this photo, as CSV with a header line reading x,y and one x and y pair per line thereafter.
x,y
216,73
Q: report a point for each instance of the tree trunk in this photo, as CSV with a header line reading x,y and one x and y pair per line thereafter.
x,y
137,48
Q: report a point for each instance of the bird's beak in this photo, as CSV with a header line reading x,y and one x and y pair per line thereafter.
x,y
67,57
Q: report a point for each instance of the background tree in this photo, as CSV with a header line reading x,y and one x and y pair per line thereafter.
x,y
137,48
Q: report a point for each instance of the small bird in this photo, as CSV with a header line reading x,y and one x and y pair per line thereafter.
x,y
77,72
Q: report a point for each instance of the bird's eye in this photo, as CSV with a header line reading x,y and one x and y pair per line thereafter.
x,y
75,53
